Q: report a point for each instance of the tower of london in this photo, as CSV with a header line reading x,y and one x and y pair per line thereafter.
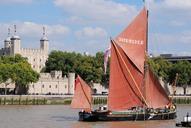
x,y
36,57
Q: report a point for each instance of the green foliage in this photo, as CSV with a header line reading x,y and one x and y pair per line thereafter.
x,y
183,68
90,68
18,70
161,67
168,70
64,61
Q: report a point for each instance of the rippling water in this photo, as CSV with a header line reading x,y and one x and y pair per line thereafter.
x,y
58,116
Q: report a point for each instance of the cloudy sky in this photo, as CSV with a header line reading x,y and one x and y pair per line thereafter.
x,y
87,25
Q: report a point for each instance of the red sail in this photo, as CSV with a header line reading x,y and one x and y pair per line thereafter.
x,y
127,66
133,40
155,94
124,88
82,95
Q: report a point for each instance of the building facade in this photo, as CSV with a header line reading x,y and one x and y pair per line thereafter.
x,y
48,84
36,57
53,83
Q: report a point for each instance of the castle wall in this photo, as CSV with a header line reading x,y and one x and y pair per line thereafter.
x,y
51,83
36,57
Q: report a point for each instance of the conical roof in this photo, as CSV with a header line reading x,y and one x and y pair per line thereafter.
x,y
8,39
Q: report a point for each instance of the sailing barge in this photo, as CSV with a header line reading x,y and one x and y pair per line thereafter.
x,y
134,91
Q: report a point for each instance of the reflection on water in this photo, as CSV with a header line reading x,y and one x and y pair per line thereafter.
x,y
59,116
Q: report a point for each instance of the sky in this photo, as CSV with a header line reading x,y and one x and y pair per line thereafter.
x,y
87,25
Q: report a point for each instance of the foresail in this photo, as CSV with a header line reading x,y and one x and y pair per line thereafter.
x,y
82,96
156,96
133,40
125,89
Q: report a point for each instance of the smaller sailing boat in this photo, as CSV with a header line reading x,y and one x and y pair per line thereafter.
x,y
82,97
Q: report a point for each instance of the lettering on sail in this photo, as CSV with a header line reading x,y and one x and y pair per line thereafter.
x,y
130,41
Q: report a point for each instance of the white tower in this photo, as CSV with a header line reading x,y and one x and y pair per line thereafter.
x,y
71,83
44,42
15,43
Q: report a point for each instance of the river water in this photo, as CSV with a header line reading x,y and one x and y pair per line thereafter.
x,y
60,116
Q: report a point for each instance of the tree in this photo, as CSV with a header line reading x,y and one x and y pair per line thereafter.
x,y
160,67
167,70
63,61
183,68
19,71
90,68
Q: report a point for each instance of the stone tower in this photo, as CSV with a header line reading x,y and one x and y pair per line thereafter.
x,y
71,83
15,43
44,42
7,41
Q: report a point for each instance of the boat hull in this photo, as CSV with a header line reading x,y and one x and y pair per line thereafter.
x,y
107,116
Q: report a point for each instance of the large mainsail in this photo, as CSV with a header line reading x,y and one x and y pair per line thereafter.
x,y
82,96
127,65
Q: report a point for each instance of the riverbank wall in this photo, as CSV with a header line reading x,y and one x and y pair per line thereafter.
x,y
65,99
44,99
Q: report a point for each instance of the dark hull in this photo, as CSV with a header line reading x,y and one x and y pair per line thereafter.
x,y
183,124
106,116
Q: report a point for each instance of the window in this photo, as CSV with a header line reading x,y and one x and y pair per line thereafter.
x,y
33,59
43,86
56,86
65,86
49,86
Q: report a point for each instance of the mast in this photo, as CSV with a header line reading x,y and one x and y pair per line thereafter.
x,y
147,31
146,66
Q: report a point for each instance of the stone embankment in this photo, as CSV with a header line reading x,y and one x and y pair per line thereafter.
x,y
43,99
64,99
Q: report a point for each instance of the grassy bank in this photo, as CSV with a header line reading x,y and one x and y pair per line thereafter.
x,y
63,100
33,100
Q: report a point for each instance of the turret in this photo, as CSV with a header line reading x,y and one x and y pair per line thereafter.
x,y
44,42
7,41
15,43
71,83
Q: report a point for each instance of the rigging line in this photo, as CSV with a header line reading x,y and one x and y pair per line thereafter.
x,y
130,74
85,93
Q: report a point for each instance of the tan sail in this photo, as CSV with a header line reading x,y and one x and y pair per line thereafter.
x,y
82,96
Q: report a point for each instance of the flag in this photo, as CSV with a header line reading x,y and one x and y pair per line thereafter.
x,y
106,57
